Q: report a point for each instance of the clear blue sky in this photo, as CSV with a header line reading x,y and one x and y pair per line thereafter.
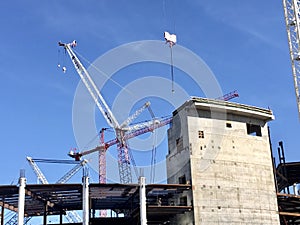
x,y
243,42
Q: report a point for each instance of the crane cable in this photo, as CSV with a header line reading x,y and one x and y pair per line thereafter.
x,y
105,74
172,69
171,15
133,161
170,38
59,63
93,139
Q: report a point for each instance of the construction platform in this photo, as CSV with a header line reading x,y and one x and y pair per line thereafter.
x,y
122,199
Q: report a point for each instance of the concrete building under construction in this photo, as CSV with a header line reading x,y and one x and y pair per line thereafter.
x,y
223,150
220,171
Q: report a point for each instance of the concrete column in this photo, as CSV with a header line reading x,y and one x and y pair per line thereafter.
x,y
143,206
85,199
21,200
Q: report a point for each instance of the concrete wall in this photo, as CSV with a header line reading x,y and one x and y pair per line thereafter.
x,y
230,170
178,164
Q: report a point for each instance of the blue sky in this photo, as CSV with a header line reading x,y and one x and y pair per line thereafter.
x,y
243,42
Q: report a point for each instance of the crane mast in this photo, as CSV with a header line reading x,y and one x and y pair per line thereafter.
x,y
292,20
102,159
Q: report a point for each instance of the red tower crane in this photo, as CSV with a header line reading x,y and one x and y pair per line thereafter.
x,y
229,96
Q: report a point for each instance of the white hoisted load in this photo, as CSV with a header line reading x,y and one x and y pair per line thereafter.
x,y
170,38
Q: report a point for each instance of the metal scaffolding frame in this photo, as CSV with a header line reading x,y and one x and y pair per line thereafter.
x,y
122,199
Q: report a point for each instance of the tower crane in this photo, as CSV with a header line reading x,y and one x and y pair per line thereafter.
x,y
229,96
71,216
292,21
123,131
32,162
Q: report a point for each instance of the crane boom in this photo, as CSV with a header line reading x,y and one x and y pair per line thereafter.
x,y
134,115
150,127
71,173
229,96
134,132
37,171
292,21
91,86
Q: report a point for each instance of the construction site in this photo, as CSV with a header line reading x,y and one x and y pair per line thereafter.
x,y
220,164
220,171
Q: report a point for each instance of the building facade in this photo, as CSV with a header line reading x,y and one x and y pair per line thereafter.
x,y
223,150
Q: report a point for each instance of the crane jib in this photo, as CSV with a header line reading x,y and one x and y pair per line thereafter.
x,y
91,86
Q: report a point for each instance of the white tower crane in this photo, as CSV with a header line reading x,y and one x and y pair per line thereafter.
x,y
123,132
292,20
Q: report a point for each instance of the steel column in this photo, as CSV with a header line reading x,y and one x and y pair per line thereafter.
x,y
21,200
85,199
143,210
2,212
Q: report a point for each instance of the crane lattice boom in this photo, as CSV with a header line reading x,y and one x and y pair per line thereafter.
x,y
292,20
147,127
91,86
229,96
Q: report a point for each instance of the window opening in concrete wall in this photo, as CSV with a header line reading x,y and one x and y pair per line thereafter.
x,y
228,125
179,144
182,180
254,130
201,134
183,201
